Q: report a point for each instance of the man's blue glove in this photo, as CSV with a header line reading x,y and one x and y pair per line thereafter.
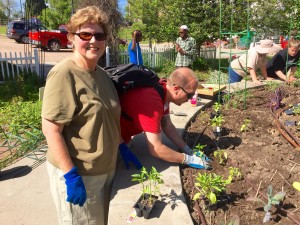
x,y
196,162
75,187
128,157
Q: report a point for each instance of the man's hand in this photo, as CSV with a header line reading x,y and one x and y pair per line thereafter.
x,y
129,157
196,162
76,193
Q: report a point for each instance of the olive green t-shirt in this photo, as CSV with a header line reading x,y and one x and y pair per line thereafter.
x,y
87,104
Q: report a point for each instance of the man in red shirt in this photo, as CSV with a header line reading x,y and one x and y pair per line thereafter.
x,y
147,112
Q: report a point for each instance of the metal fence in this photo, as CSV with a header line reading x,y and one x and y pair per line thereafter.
x,y
157,57
12,64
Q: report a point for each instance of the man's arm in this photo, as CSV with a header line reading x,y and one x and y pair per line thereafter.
x,y
159,150
56,143
253,76
171,132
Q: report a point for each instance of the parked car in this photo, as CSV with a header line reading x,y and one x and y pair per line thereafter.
x,y
19,30
54,40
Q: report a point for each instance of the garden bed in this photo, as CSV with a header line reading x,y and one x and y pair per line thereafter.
x,y
260,152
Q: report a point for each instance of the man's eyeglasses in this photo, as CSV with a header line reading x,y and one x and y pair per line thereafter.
x,y
188,95
87,36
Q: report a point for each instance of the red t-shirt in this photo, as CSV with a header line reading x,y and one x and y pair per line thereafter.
x,y
145,108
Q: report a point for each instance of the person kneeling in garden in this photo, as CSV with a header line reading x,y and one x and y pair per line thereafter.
x,y
145,110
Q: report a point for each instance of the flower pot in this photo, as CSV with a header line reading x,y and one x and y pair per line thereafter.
x,y
143,206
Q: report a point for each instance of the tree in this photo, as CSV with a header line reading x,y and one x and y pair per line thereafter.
x,y
57,13
34,8
7,7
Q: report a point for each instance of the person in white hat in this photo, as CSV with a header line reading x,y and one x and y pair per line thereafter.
x,y
255,58
185,47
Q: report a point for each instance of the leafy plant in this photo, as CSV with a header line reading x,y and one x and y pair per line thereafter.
x,y
272,85
150,182
221,155
217,107
199,150
234,173
245,125
272,200
217,121
276,98
296,109
210,186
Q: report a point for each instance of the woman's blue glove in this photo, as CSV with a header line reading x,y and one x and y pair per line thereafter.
x,y
76,193
128,157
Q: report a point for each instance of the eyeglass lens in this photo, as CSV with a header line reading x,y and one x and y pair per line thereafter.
x,y
87,36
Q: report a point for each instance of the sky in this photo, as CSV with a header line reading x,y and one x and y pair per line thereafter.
x,y
122,4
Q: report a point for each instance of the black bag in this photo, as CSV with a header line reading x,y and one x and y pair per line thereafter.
x,y
128,76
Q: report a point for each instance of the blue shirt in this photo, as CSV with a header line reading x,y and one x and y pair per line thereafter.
x,y
135,56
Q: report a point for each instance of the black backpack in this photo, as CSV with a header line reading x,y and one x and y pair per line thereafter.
x,y
128,76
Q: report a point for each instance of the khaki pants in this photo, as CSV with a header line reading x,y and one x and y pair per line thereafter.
x,y
94,210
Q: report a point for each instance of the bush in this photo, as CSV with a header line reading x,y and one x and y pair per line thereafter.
x,y
200,64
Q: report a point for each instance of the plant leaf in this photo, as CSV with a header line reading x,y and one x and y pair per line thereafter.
x,y
267,207
196,196
279,196
212,197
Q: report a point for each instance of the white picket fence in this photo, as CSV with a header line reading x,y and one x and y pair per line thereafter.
x,y
12,64
155,57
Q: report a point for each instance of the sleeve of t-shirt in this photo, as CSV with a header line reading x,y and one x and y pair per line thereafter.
x,y
59,100
278,63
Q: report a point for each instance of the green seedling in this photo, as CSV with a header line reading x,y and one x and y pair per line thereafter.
x,y
245,125
210,186
221,155
217,121
150,182
234,173
296,109
217,107
272,200
198,150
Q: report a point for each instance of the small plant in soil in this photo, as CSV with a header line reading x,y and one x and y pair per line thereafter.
x,y
221,155
234,173
217,107
217,121
150,186
296,109
272,200
245,125
150,182
199,150
276,98
210,186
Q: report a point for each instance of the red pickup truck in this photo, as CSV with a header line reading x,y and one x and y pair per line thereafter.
x,y
54,40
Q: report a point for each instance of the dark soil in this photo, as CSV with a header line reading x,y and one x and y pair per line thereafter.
x,y
261,153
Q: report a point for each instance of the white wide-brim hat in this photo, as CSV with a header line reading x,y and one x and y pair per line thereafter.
x,y
266,46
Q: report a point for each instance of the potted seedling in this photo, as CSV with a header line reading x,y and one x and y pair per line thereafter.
x,y
216,123
272,200
150,182
211,187
221,155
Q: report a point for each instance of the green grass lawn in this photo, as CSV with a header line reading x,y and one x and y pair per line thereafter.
x,y
2,30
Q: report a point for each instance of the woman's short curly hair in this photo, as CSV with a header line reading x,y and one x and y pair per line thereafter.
x,y
89,14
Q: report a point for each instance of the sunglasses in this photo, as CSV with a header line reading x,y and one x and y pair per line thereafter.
x,y
87,36
188,95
